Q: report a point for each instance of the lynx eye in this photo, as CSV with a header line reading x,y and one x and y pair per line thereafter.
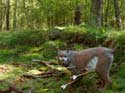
x,y
60,56
65,56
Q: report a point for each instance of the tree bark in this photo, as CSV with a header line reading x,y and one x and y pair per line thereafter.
x,y
1,21
106,12
1,12
93,14
14,15
77,18
117,14
7,15
97,12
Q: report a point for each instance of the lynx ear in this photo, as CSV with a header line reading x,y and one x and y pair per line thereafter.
x,y
58,50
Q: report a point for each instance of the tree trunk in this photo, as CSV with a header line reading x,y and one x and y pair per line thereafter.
x,y
77,18
117,14
1,21
14,15
1,12
98,5
93,14
106,12
96,9
7,15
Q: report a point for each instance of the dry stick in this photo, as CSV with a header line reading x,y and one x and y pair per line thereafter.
x,y
43,75
74,80
33,76
30,91
44,63
76,76
49,64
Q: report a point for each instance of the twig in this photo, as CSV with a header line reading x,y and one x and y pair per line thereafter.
x,y
48,64
36,76
30,91
76,76
74,79
49,73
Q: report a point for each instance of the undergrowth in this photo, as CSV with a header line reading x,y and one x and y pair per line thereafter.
x,y
18,49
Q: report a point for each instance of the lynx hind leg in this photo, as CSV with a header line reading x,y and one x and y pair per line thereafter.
x,y
105,81
100,84
103,70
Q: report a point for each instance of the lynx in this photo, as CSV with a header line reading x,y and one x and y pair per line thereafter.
x,y
98,59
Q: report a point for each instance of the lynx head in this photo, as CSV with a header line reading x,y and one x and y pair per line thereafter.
x,y
64,57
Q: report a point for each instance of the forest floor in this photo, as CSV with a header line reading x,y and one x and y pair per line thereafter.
x,y
26,74
28,61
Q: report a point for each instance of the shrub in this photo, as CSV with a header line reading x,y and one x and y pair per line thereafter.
x,y
49,48
13,39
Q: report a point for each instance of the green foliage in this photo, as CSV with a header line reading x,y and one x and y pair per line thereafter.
x,y
118,37
3,86
62,38
69,34
6,55
37,14
49,48
13,39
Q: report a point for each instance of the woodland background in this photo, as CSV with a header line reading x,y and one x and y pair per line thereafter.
x,y
36,14
31,31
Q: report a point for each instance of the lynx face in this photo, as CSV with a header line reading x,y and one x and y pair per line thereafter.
x,y
63,56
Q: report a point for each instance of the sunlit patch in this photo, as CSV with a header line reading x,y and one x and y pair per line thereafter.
x,y
34,71
4,69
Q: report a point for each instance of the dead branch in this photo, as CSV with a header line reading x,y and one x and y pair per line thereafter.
x,y
19,64
47,74
74,78
36,76
51,66
45,63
